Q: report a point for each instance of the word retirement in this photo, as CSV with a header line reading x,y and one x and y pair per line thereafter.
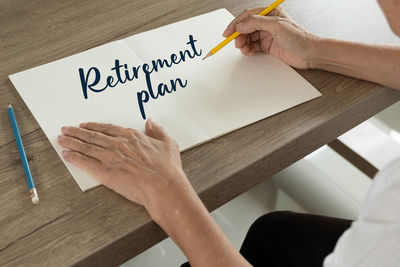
x,y
92,79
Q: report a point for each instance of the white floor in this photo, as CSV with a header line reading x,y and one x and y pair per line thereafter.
x,y
321,183
235,218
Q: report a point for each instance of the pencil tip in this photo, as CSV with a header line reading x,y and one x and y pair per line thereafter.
x,y
208,55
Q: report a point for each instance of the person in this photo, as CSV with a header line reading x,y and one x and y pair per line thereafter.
x,y
140,165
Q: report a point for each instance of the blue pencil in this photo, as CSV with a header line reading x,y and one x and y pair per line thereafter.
x,y
21,150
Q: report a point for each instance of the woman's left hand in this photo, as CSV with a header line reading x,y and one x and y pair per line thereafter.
x,y
136,165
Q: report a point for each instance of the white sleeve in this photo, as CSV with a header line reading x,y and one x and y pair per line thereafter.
x,y
374,239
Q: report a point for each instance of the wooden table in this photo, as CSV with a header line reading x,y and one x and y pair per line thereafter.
x,y
100,227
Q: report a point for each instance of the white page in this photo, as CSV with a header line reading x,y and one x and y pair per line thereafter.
x,y
224,92
228,90
53,93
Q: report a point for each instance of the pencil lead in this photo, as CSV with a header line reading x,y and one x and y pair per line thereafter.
x,y
208,55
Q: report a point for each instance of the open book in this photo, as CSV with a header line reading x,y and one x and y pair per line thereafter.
x,y
160,74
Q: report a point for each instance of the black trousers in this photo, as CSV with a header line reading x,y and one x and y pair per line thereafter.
x,y
292,239
284,238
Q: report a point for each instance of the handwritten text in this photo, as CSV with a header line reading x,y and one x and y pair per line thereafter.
x,y
92,79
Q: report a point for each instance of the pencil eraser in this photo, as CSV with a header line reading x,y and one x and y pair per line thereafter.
x,y
35,200
34,195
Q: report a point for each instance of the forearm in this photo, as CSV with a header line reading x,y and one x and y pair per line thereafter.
x,y
376,63
185,219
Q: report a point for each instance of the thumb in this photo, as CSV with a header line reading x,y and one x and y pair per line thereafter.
x,y
258,23
156,131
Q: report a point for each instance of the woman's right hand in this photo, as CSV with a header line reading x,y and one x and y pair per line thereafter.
x,y
276,34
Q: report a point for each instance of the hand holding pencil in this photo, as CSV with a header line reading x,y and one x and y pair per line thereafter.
x,y
276,34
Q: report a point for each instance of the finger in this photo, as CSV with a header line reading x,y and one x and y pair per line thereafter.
x,y
247,50
88,164
105,128
157,132
279,12
87,136
255,36
84,148
241,41
114,131
251,49
256,46
245,14
259,23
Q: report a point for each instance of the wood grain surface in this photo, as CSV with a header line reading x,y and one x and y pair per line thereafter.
x,y
100,228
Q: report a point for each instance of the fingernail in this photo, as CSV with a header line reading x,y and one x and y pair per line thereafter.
x,y
60,138
82,124
64,153
63,129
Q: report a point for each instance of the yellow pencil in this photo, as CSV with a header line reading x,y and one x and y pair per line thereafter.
x,y
236,34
